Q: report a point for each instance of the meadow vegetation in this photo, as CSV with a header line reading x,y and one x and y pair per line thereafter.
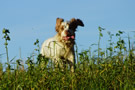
x,y
113,68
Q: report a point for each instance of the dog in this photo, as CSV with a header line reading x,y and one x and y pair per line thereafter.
x,y
60,48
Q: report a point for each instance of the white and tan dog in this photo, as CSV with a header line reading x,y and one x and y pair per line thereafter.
x,y
61,46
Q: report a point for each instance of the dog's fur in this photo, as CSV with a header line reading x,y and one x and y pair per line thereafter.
x,y
61,46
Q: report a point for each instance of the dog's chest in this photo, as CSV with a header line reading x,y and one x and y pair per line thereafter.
x,y
56,49
59,50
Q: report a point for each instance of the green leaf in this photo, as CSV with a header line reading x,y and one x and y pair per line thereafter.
x,y
120,32
7,31
5,43
8,38
37,41
122,41
4,30
102,53
4,36
101,34
116,47
117,34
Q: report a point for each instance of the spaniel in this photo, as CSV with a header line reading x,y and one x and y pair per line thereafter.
x,y
60,48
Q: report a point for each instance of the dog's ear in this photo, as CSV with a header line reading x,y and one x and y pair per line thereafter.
x,y
58,23
76,22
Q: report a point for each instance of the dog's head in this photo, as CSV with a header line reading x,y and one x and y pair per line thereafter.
x,y
66,29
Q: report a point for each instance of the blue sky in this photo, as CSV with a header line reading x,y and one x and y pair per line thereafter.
x,y
28,20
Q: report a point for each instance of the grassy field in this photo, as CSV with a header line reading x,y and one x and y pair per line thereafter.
x,y
111,69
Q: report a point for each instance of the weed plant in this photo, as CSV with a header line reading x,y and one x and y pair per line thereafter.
x,y
112,69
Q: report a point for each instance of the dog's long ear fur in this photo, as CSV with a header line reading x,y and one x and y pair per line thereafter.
x,y
58,23
76,22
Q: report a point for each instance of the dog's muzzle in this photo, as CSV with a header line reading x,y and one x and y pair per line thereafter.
x,y
71,37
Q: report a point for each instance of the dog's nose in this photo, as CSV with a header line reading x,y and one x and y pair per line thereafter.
x,y
67,32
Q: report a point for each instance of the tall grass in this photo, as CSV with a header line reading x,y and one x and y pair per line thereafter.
x,y
113,68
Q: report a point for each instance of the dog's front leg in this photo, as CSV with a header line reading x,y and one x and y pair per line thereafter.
x,y
71,61
72,66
